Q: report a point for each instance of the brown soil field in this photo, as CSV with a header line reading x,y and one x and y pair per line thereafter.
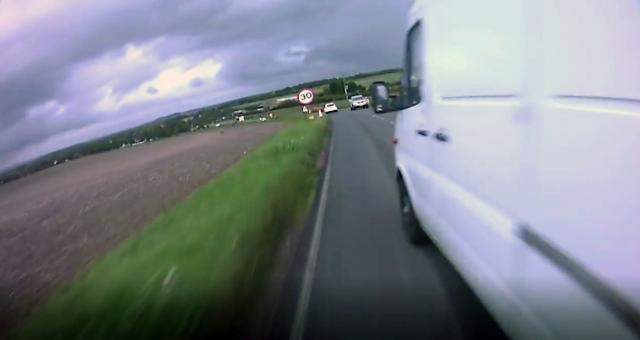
x,y
54,222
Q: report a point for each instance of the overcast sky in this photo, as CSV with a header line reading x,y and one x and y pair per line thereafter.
x,y
75,70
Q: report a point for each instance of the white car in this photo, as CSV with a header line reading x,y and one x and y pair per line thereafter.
x,y
358,102
519,156
330,107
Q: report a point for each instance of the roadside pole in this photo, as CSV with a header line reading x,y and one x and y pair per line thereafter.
x,y
306,97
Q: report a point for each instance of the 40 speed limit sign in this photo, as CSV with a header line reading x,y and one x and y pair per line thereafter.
x,y
305,97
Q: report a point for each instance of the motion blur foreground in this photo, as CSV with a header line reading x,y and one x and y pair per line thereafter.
x,y
517,155
490,193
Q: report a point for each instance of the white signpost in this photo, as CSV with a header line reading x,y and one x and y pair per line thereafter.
x,y
305,97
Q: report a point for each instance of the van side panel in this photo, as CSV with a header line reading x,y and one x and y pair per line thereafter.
x,y
475,65
475,58
586,166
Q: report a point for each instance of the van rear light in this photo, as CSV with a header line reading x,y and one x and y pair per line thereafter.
x,y
394,140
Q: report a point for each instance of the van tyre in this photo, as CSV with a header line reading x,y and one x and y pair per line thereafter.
x,y
412,229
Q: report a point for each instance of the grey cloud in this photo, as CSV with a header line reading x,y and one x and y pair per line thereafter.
x,y
292,51
196,82
152,90
50,50
248,37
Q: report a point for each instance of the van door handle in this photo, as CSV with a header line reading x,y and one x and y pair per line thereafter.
x,y
441,137
423,133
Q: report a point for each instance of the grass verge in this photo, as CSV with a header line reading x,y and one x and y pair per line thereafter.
x,y
197,269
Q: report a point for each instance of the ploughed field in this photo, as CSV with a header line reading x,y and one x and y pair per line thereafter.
x,y
54,222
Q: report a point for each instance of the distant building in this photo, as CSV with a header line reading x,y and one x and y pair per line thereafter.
x,y
284,99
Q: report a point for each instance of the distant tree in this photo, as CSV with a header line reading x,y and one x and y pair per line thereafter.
x,y
336,86
353,88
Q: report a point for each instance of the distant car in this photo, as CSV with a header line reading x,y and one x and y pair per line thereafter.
x,y
358,102
330,107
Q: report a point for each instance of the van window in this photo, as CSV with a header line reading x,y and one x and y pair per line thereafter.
x,y
413,65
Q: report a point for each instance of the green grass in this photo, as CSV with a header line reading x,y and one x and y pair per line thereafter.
x,y
390,77
342,103
289,114
197,269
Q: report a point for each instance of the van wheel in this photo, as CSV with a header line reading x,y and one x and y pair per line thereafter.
x,y
412,229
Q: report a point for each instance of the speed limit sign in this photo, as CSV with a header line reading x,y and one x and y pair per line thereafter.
x,y
305,97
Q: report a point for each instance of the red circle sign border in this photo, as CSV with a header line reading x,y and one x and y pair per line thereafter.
x,y
312,96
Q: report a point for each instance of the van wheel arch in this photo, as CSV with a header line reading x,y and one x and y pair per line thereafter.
x,y
412,228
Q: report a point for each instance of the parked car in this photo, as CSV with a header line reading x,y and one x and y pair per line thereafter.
x,y
358,102
517,154
330,107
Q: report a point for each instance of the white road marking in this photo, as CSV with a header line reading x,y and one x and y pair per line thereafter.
x,y
300,321
380,118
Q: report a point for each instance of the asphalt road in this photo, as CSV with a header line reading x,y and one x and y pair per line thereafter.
x,y
368,282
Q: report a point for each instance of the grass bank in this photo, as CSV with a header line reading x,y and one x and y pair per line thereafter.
x,y
197,269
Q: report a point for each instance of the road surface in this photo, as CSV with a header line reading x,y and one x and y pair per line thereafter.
x,y
368,282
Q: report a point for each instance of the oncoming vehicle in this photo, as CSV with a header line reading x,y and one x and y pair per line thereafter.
x,y
330,107
358,102
517,154
380,97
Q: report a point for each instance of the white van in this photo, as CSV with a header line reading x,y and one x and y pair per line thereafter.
x,y
519,152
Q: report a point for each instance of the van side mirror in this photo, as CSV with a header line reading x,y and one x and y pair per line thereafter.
x,y
379,92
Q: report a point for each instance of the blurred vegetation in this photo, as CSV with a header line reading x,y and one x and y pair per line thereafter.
x,y
198,269
327,90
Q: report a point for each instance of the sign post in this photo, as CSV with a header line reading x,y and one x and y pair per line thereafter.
x,y
305,97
